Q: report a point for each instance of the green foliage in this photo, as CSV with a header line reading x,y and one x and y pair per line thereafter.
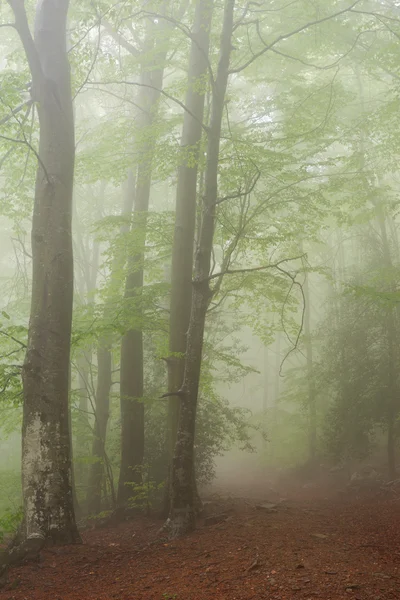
x,y
147,493
10,521
299,141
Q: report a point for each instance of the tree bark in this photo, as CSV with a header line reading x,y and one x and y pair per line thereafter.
x,y
391,327
96,473
46,451
312,407
104,377
83,426
131,377
183,514
185,219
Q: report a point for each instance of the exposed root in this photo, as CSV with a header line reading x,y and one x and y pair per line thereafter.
x,y
19,552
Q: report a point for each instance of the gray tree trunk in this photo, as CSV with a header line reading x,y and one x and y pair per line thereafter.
x,y
102,407
46,452
131,375
312,395
104,381
185,219
183,511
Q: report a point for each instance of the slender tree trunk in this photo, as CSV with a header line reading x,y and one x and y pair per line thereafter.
x,y
393,401
182,514
276,389
312,407
89,262
185,219
83,427
104,370
131,376
104,379
46,446
265,398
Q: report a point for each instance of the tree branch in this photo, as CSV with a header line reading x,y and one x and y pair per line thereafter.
x,y
14,339
22,27
119,38
159,90
90,71
15,111
176,23
296,343
324,67
241,194
253,269
286,36
179,393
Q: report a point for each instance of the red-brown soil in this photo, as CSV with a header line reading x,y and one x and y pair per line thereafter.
x,y
345,546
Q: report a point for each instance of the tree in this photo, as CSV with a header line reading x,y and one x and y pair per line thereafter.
x,y
185,215
46,463
132,378
182,514
312,395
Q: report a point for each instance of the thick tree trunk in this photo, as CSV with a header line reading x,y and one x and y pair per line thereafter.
x,y
131,377
46,456
185,219
183,514
96,474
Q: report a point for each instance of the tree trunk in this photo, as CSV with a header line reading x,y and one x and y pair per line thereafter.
x,y
83,426
392,407
275,400
312,407
131,377
96,474
185,220
46,452
183,513
392,402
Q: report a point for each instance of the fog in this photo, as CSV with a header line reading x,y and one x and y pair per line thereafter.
x,y
200,266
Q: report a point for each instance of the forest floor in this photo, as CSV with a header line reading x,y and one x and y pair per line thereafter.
x,y
317,544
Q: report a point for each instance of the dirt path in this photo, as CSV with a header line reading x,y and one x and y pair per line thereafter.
x,y
309,548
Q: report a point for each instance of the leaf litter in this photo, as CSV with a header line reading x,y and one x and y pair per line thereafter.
x,y
325,548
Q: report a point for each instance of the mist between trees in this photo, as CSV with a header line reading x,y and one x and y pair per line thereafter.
x,y
200,252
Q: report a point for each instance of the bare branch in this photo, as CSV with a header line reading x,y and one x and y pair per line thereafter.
x,y
14,339
159,90
299,285
241,194
254,269
179,394
323,67
119,38
375,14
7,381
90,71
286,36
123,99
21,243
15,111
